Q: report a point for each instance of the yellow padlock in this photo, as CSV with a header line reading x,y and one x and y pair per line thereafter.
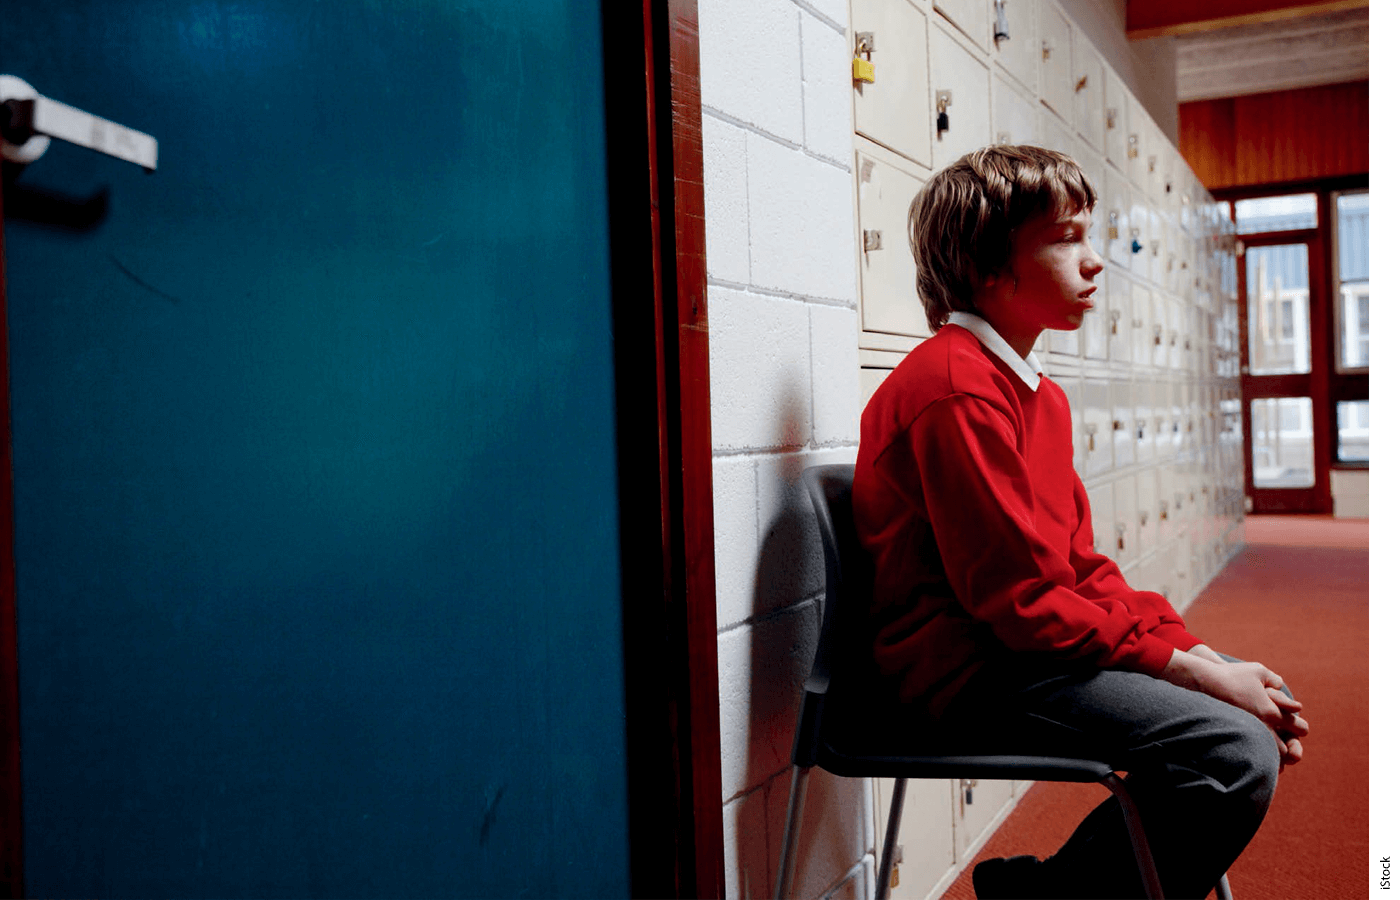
x,y
863,70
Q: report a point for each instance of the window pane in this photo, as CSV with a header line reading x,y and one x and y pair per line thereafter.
x,y
1277,285
1354,273
1283,442
1276,213
1354,431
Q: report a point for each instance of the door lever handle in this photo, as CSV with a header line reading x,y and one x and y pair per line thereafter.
x,y
28,121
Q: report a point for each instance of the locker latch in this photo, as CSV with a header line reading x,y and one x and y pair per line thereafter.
x,y
863,70
874,239
943,100
1110,116
1132,146
1081,84
1152,163
1113,224
1046,49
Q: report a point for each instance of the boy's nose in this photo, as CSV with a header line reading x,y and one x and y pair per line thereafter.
x,y
1093,263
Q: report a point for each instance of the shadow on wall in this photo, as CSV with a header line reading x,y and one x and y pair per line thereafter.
x,y
788,584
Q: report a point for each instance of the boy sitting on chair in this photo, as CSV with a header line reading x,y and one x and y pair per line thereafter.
x,y
995,620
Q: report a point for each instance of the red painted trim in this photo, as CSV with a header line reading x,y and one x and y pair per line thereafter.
x,y
11,804
665,483
695,448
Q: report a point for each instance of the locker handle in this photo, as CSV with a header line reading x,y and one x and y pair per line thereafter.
x,y
29,120
1081,84
1111,117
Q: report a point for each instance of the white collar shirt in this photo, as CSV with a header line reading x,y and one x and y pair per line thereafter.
x,y
1028,369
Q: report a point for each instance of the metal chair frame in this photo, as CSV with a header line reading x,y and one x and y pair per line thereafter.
x,y
846,572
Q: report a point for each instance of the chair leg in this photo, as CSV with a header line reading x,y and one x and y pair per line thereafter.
x,y
882,884
797,797
1150,882
1222,889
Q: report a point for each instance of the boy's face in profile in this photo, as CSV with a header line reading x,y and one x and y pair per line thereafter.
x,y
1048,282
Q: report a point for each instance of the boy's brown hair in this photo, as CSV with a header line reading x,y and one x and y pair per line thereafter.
x,y
963,220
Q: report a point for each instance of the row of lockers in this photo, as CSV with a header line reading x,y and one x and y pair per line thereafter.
x,y
948,77
943,86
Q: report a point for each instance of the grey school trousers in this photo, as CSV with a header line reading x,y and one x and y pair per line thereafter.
x,y
1201,771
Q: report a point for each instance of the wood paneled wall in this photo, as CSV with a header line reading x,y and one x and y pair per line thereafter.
x,y
1305,134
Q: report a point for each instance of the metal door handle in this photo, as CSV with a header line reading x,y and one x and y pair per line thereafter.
x,y
28,120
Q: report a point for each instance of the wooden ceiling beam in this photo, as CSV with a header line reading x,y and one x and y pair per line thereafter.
x,y
1154,18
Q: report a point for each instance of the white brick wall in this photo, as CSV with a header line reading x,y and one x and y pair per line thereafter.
x,y
784,390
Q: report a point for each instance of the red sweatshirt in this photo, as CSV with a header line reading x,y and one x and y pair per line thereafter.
x,y
965,494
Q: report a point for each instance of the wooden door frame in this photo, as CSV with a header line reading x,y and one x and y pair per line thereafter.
x,y
666,518
660,322
1323,384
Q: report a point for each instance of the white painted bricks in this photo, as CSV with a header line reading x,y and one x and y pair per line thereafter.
x,y
784,392
751,63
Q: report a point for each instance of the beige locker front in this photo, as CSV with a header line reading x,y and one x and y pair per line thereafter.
x,y
1144,429
972,17
978,806
1136,130
1146,520
1086,72
1162,421
925,829
1101,511
1015,119
1139,325
1019,52
1139,233
1055,134
889,302
1124,427
1119,313
870,380
1096,410
1118,236
1115,120
1074,393
1125,518
1156,247
1092,164
962,89
894,109
1157,330
1056,62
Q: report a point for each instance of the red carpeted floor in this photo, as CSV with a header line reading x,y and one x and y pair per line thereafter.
x,y
1296,600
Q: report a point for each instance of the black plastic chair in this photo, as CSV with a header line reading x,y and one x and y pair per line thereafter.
x,y
830,735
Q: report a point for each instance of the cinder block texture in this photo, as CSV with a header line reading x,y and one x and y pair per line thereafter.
x,y
726,200
837,11
790,564
761,670
749,872
826,90
835,376
736,538
751,63
760,371
800,223
836,832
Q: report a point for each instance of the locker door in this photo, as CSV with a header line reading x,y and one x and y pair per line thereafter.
x,y
1139,326
1056,135
1119,312
889,303
972,820
870,380
972,17
1124,424
894,111
1097,412
1147,511
1125,518
1157,330
925,830
1118,237
1156,249
1086,73
1162,421
1056,62
1092,163
1115,117
962,87
1101,512
1015,119
1074,393
1137,124
1139,234
1019,55
1144,431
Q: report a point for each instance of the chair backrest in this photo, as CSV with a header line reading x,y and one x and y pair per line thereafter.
x,y
848,577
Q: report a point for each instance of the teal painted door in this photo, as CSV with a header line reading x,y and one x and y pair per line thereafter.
x,y
314,454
